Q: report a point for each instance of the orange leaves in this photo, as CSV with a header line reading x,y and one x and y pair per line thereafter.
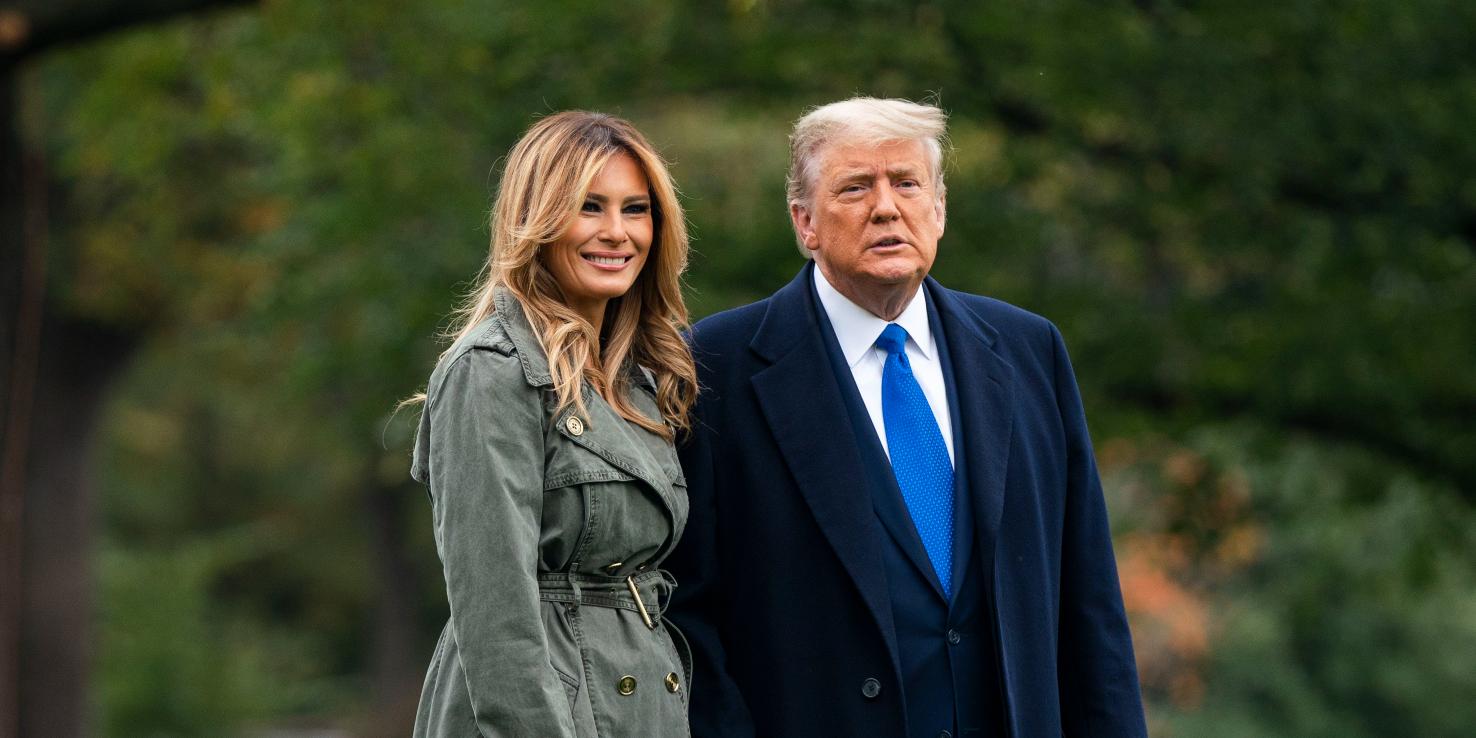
x,y
1171,623
1190,527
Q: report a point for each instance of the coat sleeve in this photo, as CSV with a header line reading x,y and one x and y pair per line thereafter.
x,y
486,479
1098,675
718,709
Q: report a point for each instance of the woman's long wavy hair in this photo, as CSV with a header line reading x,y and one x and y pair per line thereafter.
x,y
544,183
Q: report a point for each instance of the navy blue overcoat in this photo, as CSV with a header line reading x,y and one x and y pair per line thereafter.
x,y
782,591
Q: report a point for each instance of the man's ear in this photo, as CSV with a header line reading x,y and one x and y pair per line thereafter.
x,y
799,215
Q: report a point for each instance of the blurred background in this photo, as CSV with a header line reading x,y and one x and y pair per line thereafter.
x,y
231,232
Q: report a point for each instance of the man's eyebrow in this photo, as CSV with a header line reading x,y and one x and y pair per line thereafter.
x,y
853,173
864,172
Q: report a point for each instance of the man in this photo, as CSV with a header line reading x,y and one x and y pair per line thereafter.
x,y
896,523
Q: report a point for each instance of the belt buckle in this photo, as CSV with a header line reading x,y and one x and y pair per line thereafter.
x,y
640,604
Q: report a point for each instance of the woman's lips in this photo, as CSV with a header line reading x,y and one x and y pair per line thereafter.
x,y
609,263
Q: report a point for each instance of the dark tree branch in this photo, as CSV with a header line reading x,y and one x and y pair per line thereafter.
x,y
28,27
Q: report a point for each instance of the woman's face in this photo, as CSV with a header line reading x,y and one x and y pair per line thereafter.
x,y
601,254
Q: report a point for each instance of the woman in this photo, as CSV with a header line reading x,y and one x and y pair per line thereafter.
x,y
546,440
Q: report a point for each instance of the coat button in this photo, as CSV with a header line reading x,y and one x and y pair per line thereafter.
x,y
944,734
954,637
673,683
626,686
575,425
870,688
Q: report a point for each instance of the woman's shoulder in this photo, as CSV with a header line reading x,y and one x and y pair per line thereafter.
x,y
486,355
480,373
490,334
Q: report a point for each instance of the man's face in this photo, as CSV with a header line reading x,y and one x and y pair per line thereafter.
x,y
874,217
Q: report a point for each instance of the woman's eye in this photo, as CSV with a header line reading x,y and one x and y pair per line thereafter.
x,y
590,206
638,209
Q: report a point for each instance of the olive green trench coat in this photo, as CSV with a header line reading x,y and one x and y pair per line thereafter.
x,y
551,529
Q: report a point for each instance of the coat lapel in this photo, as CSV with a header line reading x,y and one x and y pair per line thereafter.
x,y
806,413
985,386
886,496
603,432
963,508
614,439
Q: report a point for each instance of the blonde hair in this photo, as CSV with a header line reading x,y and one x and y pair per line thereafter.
x,y
863,120
544,182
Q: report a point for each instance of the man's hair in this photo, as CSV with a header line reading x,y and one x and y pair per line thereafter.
x,y
863,120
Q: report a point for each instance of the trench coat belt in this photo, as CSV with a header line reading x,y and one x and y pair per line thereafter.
x,y
647,593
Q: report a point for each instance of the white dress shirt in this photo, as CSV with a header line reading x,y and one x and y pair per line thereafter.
x,y
857,329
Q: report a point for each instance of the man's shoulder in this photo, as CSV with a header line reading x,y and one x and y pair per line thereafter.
x,y
1010,321
729,329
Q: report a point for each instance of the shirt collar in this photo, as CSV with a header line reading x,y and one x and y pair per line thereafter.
x,y
856,328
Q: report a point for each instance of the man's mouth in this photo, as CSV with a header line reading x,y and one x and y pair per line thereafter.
x,y
887,242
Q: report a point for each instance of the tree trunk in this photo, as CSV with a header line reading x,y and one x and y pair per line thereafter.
x,y
18,353
78,363
54,372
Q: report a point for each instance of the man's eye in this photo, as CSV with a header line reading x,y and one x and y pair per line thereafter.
x,y
908,183
853,188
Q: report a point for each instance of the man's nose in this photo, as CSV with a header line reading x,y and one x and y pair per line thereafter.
x,y
885,208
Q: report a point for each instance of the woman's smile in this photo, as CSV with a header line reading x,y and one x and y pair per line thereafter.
x,y
600,255
613,263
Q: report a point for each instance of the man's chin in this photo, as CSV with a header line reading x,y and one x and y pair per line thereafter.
x,y
896,274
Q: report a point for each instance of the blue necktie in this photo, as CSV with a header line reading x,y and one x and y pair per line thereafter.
x,y
919,456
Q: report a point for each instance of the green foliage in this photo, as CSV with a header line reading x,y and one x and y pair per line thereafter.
x,y
1253,222
180,660
1355,617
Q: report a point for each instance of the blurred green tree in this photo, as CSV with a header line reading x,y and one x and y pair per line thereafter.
x,y
48,404
1253,223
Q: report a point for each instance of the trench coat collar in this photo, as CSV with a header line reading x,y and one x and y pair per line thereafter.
x,y
601,430
508,312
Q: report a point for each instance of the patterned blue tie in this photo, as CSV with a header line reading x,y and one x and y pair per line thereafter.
x,y
919,456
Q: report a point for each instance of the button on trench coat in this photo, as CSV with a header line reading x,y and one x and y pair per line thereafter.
x,y
545,522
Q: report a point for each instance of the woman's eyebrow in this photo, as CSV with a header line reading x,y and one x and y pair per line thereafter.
x,y
597,197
